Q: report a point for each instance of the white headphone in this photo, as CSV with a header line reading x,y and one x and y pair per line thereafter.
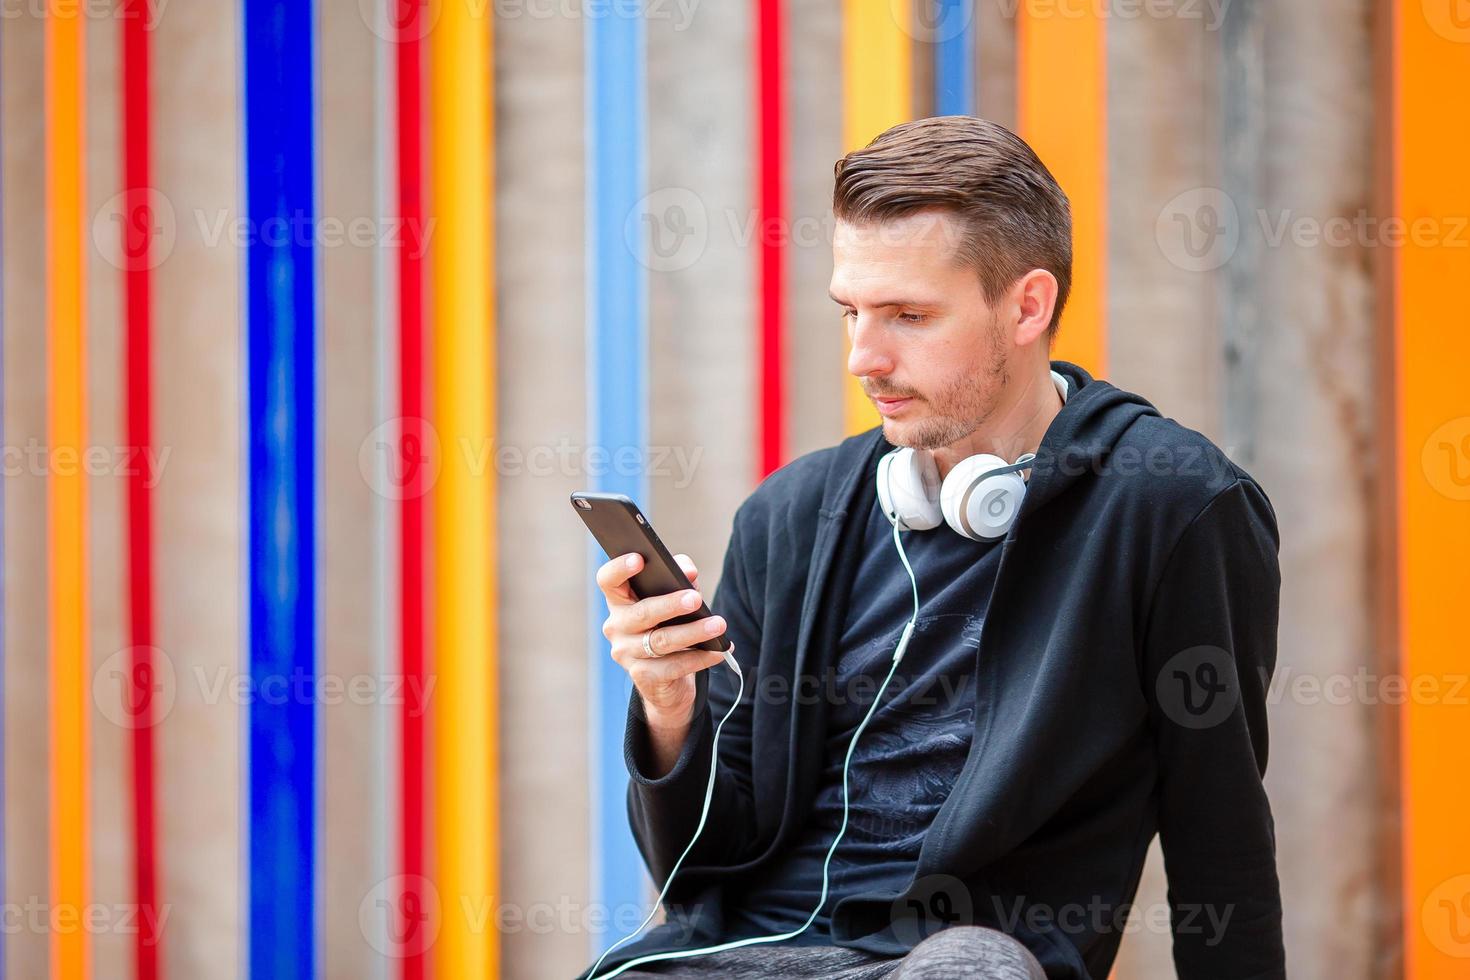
x,y
979,498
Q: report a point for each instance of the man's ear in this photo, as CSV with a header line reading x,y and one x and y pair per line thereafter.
x,y
1035,296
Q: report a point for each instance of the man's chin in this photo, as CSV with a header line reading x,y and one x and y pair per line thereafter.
x,y
907,432
925,432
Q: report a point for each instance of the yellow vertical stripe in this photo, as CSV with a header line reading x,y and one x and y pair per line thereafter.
x,y
877,92
66,489
462,178
1432,264
1061,110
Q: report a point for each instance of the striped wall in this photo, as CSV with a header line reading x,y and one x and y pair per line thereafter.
x,y
304,675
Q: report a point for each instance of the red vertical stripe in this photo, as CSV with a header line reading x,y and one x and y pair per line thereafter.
x,y
409,16
138,229
771,220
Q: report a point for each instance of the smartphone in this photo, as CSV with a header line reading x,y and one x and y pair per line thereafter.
x,y
620,527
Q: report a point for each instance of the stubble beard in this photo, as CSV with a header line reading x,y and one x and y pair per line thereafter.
x,y
964,405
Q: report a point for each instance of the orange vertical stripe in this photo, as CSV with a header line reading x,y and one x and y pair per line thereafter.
x,y
1431,202
877,83
66,491
1061,110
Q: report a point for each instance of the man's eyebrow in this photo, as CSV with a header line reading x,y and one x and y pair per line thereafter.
x,y
889,302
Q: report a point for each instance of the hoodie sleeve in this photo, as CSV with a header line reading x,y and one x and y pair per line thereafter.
x,y
1209,652
663,811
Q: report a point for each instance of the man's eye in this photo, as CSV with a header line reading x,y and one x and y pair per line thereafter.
x,y
912,317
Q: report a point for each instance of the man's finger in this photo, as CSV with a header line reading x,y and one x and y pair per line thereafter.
x,y
664,670
649,613
683,636
687,564
612,578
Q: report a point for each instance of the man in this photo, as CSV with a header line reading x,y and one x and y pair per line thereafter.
x,y
1092,676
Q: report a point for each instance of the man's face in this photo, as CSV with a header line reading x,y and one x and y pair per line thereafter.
x,y
929,351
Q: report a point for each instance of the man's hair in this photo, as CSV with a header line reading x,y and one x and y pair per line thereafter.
x,y
1015,216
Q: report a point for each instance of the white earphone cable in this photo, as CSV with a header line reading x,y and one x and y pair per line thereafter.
x,y
903,642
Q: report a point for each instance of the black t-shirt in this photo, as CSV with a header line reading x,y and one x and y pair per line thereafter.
x,y
912,750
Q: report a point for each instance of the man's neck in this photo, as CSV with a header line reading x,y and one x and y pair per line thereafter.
x,y
1016,428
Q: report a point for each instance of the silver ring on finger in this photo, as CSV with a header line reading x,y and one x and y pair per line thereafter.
x,y
648,644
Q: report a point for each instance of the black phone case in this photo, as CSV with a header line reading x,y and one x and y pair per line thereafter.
x,y
618,525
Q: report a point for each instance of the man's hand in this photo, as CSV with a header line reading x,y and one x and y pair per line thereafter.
x,y
664,681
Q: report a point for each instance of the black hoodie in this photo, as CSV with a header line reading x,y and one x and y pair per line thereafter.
x,y
1120,692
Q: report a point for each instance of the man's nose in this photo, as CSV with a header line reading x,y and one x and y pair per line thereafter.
x,y
868,355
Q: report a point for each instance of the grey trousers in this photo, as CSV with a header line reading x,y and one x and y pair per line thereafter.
x,y
956,952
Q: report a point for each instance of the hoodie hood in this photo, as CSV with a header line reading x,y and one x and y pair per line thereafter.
x,y
1092,421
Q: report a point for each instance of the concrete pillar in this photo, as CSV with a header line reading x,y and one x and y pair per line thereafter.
x,y
356,852
816,346
198,522
1266,346
542,402
26,775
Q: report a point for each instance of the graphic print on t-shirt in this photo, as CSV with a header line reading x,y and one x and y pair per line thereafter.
x,y
905,764
904,767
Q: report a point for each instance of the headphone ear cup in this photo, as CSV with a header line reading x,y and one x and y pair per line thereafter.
x,y
908,489
980,507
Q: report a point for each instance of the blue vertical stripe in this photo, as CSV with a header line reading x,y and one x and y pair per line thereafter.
x,y
617,407
281,325
954,57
